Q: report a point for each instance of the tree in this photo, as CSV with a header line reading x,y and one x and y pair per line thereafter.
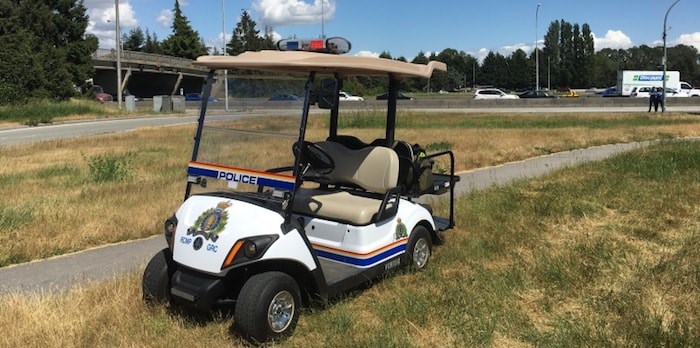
x,y
519,71
184,41
246,38
44,49
570,49
152,45
494,70
135,40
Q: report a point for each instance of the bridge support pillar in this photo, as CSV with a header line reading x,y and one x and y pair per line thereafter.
x,y
125,79
218,88
177,84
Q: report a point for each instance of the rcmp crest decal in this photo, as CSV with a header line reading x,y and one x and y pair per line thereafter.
x,y
211,222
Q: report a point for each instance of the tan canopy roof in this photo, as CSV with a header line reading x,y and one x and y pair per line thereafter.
x,y
301,61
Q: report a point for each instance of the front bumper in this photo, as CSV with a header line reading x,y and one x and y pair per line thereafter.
x,y
196,290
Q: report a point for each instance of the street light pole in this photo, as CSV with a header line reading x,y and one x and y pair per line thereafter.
x,y
223,41
663,78
119,55
537,56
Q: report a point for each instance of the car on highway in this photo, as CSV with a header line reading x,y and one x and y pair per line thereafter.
x,y
399,96
567,92
644,92
100,94
344,96
536,94
492,93
284,97
198,97
608,92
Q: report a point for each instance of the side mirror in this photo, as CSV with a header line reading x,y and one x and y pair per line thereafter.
x,y
327,95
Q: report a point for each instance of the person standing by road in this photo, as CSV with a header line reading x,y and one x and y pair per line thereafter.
x,y
652,98
658,98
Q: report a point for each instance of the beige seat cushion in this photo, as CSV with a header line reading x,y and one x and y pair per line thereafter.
x,y
336,205
374,168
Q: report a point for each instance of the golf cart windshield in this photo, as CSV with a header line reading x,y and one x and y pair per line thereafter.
x,y
273,150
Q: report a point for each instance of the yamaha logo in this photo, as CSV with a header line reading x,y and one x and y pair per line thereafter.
x,y
198,243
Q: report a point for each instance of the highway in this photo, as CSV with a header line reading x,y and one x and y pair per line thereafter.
x,y
25,135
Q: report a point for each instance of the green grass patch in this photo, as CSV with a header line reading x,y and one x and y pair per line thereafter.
x,y
377,119
44,111
12,218
110,167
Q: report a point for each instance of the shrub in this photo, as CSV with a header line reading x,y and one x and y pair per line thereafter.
x,y
110,167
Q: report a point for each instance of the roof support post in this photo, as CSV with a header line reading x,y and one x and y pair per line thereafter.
x,y
391,110
206,92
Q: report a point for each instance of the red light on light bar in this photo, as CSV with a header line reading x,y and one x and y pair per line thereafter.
x,y
317,44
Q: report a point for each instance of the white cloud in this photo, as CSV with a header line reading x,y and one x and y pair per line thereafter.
x,y
102,20
528,48
282,12
165,18
367,54
692,39
614,39
483,52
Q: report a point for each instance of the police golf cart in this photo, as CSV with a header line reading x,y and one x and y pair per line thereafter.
x,y
336,212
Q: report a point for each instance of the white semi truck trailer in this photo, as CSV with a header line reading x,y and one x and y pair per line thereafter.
x,y
628,79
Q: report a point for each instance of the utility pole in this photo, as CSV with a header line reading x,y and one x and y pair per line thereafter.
x,y
223,41
323,29
119,55
663,93
537,58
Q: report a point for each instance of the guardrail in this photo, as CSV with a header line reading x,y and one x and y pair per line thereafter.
x,y
147,58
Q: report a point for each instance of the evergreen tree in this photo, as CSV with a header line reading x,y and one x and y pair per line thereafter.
x,y
184,41
246,38
519,71
385,55
152,45
135,40
552,50
494,70
44,50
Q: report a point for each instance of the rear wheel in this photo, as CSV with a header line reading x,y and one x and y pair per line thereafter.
x,y
419,247
156,278
267,307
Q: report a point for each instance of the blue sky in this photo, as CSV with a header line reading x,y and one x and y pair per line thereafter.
x,y
404,28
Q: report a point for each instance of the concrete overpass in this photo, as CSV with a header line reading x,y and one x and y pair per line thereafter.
x,y
145,75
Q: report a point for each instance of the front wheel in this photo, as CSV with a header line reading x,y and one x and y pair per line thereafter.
x,y
419,247
156,278
267,307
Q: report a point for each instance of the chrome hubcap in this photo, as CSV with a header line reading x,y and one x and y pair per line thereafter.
x,y
281,311
421,252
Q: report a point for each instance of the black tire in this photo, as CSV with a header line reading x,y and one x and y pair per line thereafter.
x,y
264,298
419,247
156,278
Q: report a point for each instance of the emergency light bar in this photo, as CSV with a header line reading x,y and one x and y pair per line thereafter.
x,y
334,45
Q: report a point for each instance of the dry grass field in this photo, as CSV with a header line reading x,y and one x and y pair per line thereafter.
x,y
603,254
55,201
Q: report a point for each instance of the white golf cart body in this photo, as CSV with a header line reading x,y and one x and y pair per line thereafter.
x,y
331,229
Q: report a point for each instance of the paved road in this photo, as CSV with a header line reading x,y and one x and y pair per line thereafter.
x,y
25,135
62,272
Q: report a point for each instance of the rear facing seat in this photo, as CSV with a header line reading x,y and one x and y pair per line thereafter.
x,y
374,169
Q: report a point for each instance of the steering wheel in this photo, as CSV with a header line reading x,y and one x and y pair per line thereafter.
x,y
314,157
